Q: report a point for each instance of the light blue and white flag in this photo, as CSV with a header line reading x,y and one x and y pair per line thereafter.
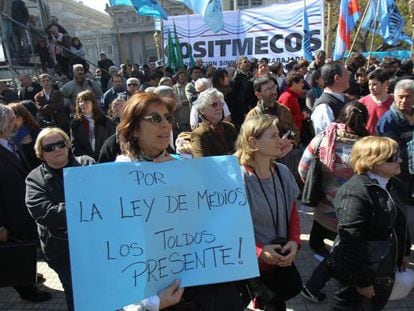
x,y
211,10
390,23
143,7
307,51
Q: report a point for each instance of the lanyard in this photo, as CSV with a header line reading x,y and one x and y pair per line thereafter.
x,y
275,220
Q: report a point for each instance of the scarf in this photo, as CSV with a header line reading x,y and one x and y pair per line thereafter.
x,y
337,132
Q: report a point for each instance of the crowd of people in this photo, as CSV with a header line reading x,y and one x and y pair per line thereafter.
x,y
356,118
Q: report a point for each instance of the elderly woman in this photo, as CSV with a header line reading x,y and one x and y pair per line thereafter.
x,y
46,201
272,192
90,127
373,234
213,136
144,135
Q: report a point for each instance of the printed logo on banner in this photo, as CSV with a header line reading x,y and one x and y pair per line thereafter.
x,y
262,32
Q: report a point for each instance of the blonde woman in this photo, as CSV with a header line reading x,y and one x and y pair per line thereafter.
x,y
373,234
272,193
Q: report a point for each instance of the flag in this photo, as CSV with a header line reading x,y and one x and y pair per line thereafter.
x,y
306,42
143,7
211,10
172,61
390,22
178,51
349,13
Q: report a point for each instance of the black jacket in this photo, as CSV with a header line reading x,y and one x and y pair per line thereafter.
x,y
13,212
80,139
370,216
45,200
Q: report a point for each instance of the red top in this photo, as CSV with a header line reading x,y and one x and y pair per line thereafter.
x,y
289,99
375,111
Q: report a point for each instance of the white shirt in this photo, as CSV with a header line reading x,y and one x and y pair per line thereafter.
x,y
323,115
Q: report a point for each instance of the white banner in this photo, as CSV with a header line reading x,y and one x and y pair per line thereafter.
x,y
274,32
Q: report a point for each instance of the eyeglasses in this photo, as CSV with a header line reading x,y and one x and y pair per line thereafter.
x,y
394,158
53,146
132,84
217,104
156,118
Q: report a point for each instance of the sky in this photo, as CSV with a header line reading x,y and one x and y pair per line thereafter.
x,y
96,4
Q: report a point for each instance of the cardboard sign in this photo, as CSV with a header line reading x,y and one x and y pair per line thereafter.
x,y
136,227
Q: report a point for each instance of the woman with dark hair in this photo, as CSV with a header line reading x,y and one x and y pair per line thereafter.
x,y
90,127
333,147
144,135
221,81
27,130
316,90
271,191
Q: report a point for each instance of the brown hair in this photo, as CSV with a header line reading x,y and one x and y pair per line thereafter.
x,y
28,120
86,96
134,110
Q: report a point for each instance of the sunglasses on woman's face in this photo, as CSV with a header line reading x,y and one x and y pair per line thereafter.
x,y
156,118
394,158
53,146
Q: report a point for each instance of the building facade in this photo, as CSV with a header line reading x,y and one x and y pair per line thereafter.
x,y
91,26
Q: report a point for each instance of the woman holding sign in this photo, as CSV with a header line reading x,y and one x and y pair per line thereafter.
x,y
144,135
272,193
46,201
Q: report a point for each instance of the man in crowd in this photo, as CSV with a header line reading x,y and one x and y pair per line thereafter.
x,y
133,85
241,95
79,83
378,101
115,91
104,64
190,90
15,220
319,61
28,88
329,104
398,124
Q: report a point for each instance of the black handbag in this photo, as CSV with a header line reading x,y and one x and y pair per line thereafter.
x,y
18,262
312,188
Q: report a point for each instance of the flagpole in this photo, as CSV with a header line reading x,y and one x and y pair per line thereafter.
x,y
411,4
359,27
373,34
328,43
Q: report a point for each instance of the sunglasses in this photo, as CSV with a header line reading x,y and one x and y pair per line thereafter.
x,y
156,118
132,84
53,146
394,158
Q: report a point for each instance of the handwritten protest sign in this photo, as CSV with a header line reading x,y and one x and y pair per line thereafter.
x,y
135,227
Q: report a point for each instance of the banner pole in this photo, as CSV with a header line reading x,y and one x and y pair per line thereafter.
x,y
359,27
328,42
411,6
373,34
